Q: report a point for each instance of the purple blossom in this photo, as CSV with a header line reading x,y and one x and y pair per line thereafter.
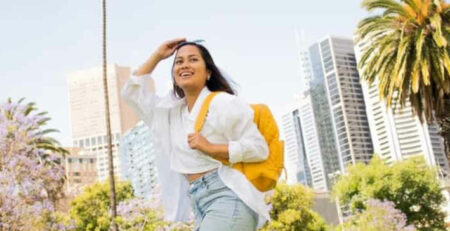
x,y
381,215
7,106
134,208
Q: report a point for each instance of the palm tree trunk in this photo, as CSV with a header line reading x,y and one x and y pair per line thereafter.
x,y
112,186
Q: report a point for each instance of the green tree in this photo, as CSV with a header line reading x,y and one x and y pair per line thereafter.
x,y
291,210
91,209
406,48
410,184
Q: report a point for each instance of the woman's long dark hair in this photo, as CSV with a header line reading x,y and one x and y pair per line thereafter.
x,y
216,82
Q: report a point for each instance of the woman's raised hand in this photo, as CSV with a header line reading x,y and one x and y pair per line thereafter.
x,y
164,51
167,48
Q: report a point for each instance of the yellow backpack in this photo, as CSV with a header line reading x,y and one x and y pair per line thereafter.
x,y
263,175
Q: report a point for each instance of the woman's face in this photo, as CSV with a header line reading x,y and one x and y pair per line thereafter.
x,y
189,69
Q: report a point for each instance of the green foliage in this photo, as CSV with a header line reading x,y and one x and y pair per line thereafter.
x,y
291,210
53,221
410,184
90,210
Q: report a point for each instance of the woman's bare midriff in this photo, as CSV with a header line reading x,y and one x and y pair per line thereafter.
x,y
195,176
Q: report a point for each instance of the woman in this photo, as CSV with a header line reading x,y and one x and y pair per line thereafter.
x,y
220,197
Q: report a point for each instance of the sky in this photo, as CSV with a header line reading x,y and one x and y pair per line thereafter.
x,y
254,42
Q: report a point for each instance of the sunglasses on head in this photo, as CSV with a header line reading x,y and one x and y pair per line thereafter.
x,y
197,41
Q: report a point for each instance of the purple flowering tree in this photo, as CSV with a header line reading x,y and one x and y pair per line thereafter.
x,y
31,176
379,215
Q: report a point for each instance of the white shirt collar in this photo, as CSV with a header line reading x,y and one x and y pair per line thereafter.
x,y
172,101
198,103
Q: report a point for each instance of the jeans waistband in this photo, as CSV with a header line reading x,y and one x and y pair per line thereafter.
x,y
205,178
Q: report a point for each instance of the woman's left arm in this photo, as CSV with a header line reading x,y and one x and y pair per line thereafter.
x,y
234,117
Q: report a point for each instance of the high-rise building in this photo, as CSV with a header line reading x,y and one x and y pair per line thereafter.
x,y
331,113
316,125
346,101
87,111
295,160
137,155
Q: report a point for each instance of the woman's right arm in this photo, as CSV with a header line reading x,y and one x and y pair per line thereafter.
x,y
139,90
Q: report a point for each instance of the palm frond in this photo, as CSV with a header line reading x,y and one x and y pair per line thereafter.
x,y
46,132
390,6
435,21
30,108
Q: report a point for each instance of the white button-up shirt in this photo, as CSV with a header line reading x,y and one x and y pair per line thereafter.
x,y
229,121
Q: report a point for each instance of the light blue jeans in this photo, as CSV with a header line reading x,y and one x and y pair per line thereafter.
x,y
217,208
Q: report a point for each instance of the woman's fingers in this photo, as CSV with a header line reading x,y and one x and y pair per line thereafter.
x,y
193,140
167,48
172,44
192,137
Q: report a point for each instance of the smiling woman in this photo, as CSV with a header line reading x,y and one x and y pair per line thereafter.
x,y
189,71
220,197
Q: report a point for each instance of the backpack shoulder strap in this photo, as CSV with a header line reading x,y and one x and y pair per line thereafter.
x,y
203,111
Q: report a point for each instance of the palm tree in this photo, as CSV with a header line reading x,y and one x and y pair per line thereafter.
x,y
112,185
40,139
406,48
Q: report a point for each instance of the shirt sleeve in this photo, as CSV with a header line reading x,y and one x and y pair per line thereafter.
x,y
235,118
139,93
